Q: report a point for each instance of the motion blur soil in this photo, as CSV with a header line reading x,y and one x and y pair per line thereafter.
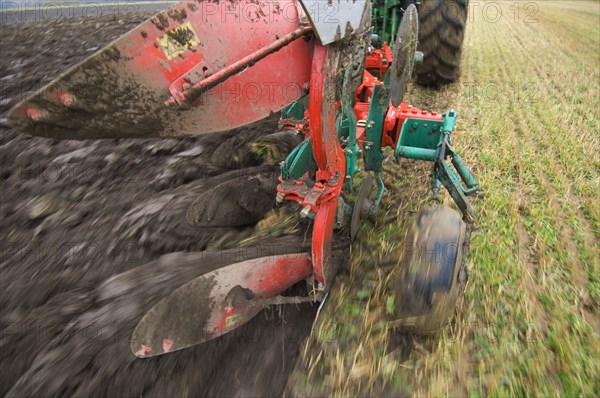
x,y
77,213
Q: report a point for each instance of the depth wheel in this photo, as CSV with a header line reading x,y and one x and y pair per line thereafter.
x,y
428,288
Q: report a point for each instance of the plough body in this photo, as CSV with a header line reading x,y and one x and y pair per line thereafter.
x,y
190,71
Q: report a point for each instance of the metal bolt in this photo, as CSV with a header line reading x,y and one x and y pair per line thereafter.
x,y
419,57
305,211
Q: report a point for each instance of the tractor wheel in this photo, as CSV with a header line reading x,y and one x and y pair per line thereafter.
x,y
433,274
441,32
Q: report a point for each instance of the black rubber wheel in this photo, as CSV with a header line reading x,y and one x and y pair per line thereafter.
x,y
441,32
429,285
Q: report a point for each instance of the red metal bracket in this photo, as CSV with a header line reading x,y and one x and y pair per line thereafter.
x,y
193,91
328,153
321,198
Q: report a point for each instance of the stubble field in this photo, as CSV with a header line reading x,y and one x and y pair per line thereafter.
x,y
529,101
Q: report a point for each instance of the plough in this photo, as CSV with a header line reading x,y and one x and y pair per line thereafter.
x,y
202,67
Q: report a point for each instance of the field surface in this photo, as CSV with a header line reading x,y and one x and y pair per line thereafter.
x,y
529,104
75,215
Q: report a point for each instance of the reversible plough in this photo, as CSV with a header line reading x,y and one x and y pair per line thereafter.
x,y
202,67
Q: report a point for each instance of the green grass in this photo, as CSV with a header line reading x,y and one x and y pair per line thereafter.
x,y
530,320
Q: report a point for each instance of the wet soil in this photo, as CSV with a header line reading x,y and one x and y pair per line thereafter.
x,y
77,213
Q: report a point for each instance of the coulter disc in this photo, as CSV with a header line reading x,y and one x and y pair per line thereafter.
x,y
404,54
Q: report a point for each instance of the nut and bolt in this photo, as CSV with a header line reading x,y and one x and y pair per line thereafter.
x,y
305,211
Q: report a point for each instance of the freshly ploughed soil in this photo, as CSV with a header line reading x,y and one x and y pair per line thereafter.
x,y
77,213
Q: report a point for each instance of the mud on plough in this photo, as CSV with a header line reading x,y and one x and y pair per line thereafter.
x,y
165,78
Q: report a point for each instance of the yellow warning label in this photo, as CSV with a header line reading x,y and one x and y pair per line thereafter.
x,y
179,40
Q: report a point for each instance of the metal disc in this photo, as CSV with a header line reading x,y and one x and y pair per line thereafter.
x,y
404,54
215,303
362,202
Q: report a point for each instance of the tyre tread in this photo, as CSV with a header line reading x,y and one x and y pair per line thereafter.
x,y
441,34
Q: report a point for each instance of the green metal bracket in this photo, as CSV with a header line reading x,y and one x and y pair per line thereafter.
x,y
373,128
419,57
419,139
465,174
378,196
299,161
348,129
342,126
444,173
296,109
428,140
447,152
372,153
449,121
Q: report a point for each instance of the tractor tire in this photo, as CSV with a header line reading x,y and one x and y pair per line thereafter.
x,y
433,275
441,33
